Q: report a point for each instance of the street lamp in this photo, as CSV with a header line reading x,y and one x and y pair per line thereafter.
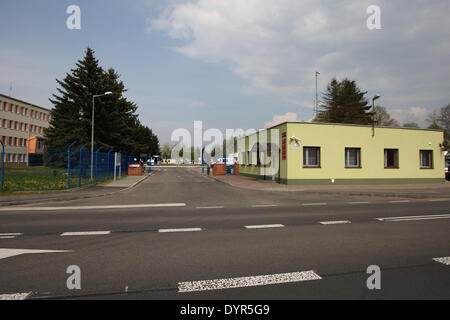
x,y
92,136
376,97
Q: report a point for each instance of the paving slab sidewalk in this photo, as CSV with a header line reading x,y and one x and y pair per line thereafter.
x,y
418,191
86,192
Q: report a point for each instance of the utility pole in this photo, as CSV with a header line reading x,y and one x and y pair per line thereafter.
x,y
316,108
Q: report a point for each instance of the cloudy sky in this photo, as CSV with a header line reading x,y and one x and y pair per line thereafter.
x,y
233,63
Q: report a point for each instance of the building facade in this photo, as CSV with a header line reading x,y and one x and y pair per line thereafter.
x,y
322,153
22,128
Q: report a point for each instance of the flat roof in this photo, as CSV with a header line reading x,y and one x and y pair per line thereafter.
x,y
352,125
23,102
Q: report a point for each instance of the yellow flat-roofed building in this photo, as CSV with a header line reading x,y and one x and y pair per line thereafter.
x,y
323,153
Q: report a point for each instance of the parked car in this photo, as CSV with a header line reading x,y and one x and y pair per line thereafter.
x,y
447,165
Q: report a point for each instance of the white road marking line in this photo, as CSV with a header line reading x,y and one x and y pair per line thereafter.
x,y
180,230
415,218
220,284
264,205
265,226
159,205
7,253
443,260
217,207
14,296
359,202
400,201
438,200
335,222
315,204
9,235
85,233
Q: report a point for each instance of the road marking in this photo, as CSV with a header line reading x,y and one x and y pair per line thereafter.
x,y
264,205
335,222
159,205
15,296
7,253
180,230
265,226
315,204
220,284
415,218
359,202
443,260
217,207
9,235
400,201
85,233
438,200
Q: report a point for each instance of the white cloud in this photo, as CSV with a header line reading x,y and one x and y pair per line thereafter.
x,y
277,45
413,114
277,119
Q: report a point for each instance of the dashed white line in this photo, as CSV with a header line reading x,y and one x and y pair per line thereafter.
x,y
9,235
335,222
15,296
315,204
216,207
415,218
158,205
443,260
180,230
265,226
400,201
264,205
220,284
85,233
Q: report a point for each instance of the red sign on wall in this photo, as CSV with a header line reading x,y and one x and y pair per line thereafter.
x,y
283,145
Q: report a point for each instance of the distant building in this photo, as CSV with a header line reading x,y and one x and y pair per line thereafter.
x,y
22,126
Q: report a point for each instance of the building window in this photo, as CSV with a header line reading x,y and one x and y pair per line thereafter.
x,y
10,141
353,157
311,157
391,159
426,159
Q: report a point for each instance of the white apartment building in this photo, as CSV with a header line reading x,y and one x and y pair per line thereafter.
x,y
22,126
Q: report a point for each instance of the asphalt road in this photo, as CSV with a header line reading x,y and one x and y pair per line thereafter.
x,y
303,246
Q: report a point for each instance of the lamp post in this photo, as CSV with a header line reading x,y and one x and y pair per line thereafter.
x,y
373,113
92,137
316,107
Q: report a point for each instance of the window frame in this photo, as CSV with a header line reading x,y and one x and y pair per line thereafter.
x,y
358,166
431,159
397,164
318,156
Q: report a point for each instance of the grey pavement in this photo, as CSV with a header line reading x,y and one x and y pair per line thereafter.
x,y
417,190
139,251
